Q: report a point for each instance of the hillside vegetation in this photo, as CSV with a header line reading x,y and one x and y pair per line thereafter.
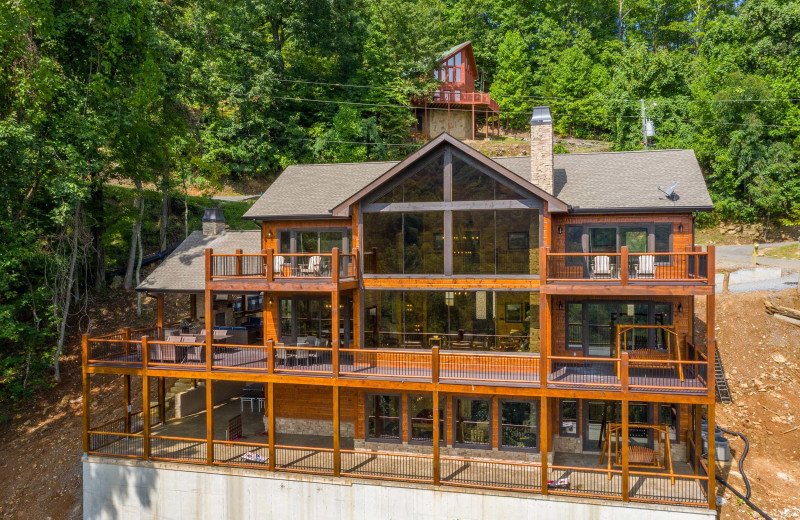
x,y
178,96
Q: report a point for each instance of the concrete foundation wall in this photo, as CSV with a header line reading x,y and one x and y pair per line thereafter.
x,y
124,490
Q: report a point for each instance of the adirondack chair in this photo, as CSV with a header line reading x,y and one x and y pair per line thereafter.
x,y
601,267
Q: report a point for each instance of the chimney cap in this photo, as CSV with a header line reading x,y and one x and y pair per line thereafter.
x,y
213,215
541,116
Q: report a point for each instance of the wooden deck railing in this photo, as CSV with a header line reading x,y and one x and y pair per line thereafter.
x,y
272,266
621,373
674,267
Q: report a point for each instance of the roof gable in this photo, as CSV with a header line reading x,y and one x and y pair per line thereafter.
x,y
429,150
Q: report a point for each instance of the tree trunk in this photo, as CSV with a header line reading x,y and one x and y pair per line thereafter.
x,y
185,210
135,234
138,271
164,211
67,293
98,230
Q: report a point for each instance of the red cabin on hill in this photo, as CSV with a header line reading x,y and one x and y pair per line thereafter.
x,y
455,107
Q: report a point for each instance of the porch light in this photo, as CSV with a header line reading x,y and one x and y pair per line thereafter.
x,y
560,230
680,307
561,306
680,227
269,234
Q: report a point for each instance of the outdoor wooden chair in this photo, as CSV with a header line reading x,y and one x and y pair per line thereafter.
x,y
647,267
601,267
277,264
314,267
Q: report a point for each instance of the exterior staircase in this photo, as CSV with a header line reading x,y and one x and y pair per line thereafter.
x,y
721,382
179,386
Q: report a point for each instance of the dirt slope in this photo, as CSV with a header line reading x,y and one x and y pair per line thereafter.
x,y
40,472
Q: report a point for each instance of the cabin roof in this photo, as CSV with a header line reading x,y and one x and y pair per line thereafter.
x,y
452,50
184,269
587,182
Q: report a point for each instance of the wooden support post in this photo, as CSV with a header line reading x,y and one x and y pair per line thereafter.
x,y
162,400
335,332
486,129
436,434
265,315
623,376
209,304
210,422
126,339
86,390
145,408
473,121
270,357
209,264
238,262
270,267
625,454
335,266
337,455
711,268
160,315
623,268
192,307
126,401
544,339
712,458
698,437
711,344
271,423
448,114
544,435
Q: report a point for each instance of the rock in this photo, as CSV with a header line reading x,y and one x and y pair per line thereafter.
x,y
117,282
778,358
78,400
64,401
758,383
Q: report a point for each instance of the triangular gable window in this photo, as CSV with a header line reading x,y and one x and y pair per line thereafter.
x,y
470,183
424,185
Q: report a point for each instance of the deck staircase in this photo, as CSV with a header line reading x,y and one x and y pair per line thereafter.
x,y
721,382
179,386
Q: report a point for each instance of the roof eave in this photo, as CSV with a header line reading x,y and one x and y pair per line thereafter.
x,y
643,209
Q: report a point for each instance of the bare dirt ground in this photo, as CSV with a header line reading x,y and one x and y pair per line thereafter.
x,y
40,472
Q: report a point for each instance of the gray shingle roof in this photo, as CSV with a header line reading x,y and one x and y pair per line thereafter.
x,y
621,181
184,269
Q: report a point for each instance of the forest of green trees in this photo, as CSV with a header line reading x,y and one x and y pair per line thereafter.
x,y
174,95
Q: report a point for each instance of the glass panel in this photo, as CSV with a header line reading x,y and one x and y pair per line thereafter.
x,y
451,61
473,242
469,183
668,414
420,236
458,74
286,332
285,242
519,425
569,418
634,238
574,239
517,241
639,413
596,416
574,325
421,414
458,58
472,421
413,320
663,233
503,192
383,420
450,74
383,243
603,240
307,241
426,185
330,239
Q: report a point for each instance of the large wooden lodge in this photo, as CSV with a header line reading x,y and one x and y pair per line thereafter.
x,y
530,332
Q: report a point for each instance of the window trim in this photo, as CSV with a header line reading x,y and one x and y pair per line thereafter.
x,y
442,421
488,445
651,236
537,407
367,397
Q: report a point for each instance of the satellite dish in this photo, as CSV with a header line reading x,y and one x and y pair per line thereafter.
x,y
670,191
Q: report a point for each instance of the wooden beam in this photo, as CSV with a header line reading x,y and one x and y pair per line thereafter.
x,y
192,307
210,422
160,313
335,332
544,436
126,401
711,344
436,434
271,424
615,289
209,309
145,414
86,391
698,439
712,458
625,453
337,455
162,402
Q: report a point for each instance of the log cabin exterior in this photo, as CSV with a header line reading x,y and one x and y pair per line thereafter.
x,y
494,318
455,106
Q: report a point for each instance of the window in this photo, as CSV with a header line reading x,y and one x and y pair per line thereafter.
x,y
473,418
420,413
519,425
573,241
384,420
496,242
458,59
575,326
424,185
568,418
470,183
668,415
603,240
639,238
663,242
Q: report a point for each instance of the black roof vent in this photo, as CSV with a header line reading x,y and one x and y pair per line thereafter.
x,y
541,116
213,215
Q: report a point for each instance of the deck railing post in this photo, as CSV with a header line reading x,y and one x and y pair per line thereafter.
x,y
126,401
711,269
86,390
712,457
337,454
435,364
126,340
544,428
270,265
209,264
335,358
271,423
238,262
145,401
623,268
145,352
335,265
270,357
625,454
209,423
624,371
162,402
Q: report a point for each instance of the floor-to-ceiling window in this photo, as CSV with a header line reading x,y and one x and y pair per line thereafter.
x,y
310,316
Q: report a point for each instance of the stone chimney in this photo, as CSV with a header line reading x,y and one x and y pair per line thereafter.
x,y
213,222
542,149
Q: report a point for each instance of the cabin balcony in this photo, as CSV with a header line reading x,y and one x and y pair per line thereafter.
x,y
448,362
674,272
448,96
270,271
187,440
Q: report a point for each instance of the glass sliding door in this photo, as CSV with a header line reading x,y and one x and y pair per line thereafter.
x,y
592,325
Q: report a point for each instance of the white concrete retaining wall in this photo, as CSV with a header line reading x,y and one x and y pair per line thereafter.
x,y
121,490
756,274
